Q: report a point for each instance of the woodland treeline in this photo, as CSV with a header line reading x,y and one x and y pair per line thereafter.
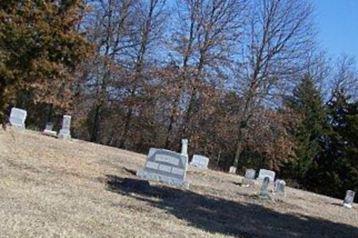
x,y
246,81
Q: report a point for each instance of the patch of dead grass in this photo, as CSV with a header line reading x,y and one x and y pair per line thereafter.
x,y
50,187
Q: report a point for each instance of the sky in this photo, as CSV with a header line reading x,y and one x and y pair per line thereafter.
x,y
337,22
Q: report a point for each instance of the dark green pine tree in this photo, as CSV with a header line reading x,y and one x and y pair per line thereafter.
x,y
336,167
306,103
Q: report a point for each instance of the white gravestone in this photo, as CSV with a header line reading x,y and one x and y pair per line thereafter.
x,y
263,173
250,175
232,170
65,132
348,200
18,117
200,161
184,147
165,166
264,188
280,187
49,130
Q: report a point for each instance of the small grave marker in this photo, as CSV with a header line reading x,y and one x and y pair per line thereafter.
x,y
65,132
200,161
165,166
250,174
263,173
280,187
249,177
18,117
232,170
348,200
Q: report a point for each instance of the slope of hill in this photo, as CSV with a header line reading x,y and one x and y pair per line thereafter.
x,y
54,188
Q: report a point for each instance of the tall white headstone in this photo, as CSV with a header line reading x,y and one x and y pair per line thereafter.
x,y
65,132
263,173
184,147
18,117
348,200
165,166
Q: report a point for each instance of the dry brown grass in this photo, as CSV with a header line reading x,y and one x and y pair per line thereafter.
x,y
54,188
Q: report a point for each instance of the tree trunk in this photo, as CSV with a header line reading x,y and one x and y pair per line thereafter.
x,y
95,127
126,128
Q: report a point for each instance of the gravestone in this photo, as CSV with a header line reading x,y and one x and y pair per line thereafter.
x,y
18,117
280,187
250,175
232,170
165,166
264,188
348,200
200,161
263,173
184,147
49,130
65,132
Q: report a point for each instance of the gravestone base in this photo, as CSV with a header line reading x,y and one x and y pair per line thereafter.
x,y
17,127
49,133
247,182
347,205
265,198
162,178
64,134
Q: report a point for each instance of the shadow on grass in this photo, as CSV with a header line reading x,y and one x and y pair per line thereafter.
x,y
227,217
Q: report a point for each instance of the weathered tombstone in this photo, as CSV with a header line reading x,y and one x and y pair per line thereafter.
x,y
18,117
264,188
184,147
279,188
49,126
165,166
65,132
200,161
263,173
250,174
249,177
49,130
232,170
348,200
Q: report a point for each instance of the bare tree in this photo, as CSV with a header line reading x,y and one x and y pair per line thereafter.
x,y
203,46
109,26
150,19
279,37
345,77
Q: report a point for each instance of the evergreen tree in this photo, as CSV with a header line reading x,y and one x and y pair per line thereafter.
x,y
306,103
39,50
336,167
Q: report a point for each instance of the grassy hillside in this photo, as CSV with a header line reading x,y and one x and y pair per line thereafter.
x,y
54,188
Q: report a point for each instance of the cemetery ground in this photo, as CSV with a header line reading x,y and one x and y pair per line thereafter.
x,y
72,188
